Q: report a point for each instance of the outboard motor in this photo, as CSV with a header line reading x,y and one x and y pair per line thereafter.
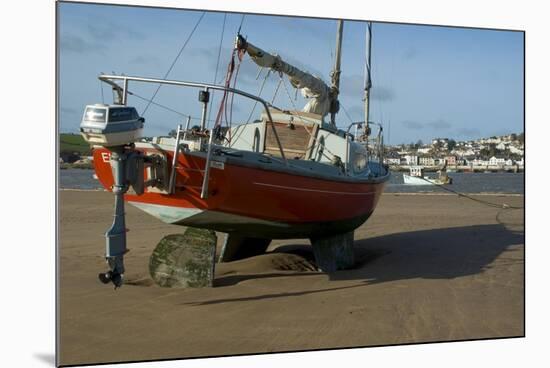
x,y
111,125
116,127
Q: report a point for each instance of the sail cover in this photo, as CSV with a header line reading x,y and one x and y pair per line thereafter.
x,y
311,87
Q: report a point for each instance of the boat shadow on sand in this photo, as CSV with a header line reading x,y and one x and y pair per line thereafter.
x,y
432,254
444,253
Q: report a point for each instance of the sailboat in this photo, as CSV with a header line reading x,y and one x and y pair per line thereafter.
x,y
416,177
288,174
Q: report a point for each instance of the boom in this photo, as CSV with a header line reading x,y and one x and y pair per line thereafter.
x,y
311,86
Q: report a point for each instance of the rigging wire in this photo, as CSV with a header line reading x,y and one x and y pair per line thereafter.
x,y
175,60
259,94
222,111
157,104
240,55
346,112
217,64
276,90
241,24
164,107
240,58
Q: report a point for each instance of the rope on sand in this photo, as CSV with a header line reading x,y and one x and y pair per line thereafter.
x,y
487,203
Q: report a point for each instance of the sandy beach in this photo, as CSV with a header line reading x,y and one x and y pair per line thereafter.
x,y
430,268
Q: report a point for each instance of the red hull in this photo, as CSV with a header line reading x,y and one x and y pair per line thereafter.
x,y
255,193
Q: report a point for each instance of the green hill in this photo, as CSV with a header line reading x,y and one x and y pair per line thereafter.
x,y
69,142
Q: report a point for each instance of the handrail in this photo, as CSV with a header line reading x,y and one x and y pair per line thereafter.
x,y
125,78
108,79
123,97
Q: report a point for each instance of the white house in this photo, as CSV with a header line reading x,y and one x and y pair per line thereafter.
x,y
392,161
479,162
426,161
493,161
501,146
518,151
520,162
411,160
464,152
424,150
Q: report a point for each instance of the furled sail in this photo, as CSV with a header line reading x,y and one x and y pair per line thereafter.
x,y
311,87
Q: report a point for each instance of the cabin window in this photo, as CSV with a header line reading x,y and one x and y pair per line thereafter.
x,y
122,114
95,114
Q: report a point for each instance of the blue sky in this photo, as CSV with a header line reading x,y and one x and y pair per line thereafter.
x,y
427,81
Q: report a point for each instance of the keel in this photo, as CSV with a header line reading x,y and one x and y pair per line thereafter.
x,y
334,252
237,247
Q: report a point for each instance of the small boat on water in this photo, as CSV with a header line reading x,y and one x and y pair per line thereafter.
x,y
288,174
416,177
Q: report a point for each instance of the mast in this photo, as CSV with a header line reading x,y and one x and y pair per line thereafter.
x,y
368,82
335,106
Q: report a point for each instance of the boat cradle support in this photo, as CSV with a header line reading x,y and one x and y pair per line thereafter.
x,y
334,252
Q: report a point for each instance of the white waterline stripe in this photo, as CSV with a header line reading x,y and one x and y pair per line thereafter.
x,y
312,190
454,195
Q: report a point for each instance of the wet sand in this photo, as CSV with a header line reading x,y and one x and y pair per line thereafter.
x,y
430,268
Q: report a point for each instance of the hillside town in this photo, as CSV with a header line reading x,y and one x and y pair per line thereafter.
x,y
503,153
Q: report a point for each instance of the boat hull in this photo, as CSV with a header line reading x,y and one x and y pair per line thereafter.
x,y
253,201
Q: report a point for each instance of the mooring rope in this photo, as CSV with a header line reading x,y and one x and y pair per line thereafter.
x,y
487,203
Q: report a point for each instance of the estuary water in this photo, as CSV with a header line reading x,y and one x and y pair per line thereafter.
x,y
462,182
